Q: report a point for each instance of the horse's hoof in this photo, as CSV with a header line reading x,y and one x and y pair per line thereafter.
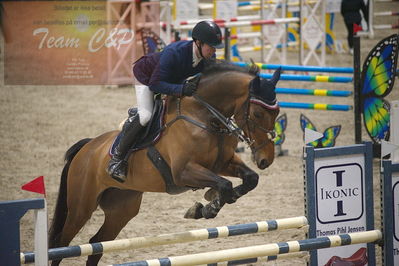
x,y
211,209
194,212
211,194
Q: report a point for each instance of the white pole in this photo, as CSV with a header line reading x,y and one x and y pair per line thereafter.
x,y
41,246
262,31
371,19
395,129
284,39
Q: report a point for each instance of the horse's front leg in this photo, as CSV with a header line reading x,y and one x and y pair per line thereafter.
x,y
197,176
237,168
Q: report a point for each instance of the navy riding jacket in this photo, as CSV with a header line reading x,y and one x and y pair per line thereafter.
x,y
164,72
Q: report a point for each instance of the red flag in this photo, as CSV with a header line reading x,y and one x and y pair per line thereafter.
x,y
36,185
356,28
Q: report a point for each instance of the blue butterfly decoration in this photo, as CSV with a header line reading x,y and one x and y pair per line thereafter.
x,y
279,127
151,41
378,76
330,134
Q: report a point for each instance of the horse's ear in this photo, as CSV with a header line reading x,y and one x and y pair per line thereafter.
x,y
254,85
276,76
253,68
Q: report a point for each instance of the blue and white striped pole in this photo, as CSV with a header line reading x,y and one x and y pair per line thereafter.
x,y
166,239
263,250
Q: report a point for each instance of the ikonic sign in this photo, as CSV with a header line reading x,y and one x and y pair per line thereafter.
x,y
337,183
339,193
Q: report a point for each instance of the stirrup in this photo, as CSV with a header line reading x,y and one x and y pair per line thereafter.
x,y
117,169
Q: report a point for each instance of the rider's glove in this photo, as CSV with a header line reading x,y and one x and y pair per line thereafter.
x,y
189,88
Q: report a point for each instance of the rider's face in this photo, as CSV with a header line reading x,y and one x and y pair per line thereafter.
x,y
207,51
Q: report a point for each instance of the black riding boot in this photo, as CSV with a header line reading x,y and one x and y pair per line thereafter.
x,y
117,167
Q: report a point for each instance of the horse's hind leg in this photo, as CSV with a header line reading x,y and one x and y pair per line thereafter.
x,y
80,208
119,206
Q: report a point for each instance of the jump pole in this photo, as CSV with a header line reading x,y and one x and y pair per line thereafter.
x,y
317,78
248,23
386,26
386,13
316,106
264,250
297,255
347,70
167,239
314,92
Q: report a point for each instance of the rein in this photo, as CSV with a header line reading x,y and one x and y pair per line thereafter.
x,y
228,122
194,122
231,128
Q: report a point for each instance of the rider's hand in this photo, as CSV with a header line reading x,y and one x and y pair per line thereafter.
x,y
189,88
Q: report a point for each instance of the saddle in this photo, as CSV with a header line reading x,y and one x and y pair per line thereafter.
x,y
359,258
151,133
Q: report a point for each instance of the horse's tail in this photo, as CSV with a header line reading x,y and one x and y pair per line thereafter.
x,y
61,210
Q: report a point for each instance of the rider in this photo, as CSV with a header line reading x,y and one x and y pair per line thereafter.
x,y
166,73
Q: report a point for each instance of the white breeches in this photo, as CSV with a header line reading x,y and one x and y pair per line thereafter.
x,y
145,103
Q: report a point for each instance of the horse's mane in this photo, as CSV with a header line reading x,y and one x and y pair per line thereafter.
x,y
260,88
214,66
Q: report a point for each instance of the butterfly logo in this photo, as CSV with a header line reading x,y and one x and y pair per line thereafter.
x,y
279,127
329,135
151,41
378,76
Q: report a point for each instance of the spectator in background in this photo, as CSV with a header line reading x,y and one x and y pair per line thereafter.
x,y
350,10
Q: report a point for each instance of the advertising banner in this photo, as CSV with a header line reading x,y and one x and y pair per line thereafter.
x,y
339,190
64,42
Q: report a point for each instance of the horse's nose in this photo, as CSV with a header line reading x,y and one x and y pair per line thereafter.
x,y
263,164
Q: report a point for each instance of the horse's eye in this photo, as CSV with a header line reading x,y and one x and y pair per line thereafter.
x,y
258,114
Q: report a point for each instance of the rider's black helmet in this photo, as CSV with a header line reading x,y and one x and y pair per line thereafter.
x,y
209,33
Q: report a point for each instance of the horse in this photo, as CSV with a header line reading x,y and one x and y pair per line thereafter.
x,y
231,104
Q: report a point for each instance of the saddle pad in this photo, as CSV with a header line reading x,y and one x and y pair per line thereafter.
x,y
151,133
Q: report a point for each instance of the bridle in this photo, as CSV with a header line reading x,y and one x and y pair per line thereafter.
x,y
230,124
232,127
271,134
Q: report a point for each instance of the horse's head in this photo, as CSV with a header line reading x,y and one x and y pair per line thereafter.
x,y
262,113
237,91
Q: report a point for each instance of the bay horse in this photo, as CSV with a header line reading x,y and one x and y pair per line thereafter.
x,y
230,103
